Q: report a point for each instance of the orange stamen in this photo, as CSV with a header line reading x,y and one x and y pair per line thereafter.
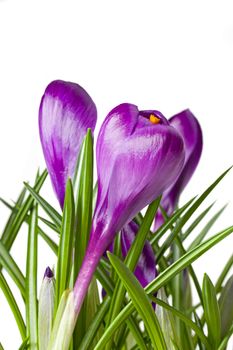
x,y
153,119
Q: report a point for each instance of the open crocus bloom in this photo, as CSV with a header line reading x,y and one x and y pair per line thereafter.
x,y
66,112
189,128
139,155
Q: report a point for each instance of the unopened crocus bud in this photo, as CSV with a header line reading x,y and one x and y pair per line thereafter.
x,y
66,113
45,308
189,128
139,155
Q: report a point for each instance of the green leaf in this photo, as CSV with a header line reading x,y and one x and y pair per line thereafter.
x,y
98,318
196,222
94,326
104,279
223,274
226,307
83,189
199,324
167,225
187,215
48,240
13,305
50,224
58,318
64,262
8,263
132,259
211,312
224,342
141,302
183,318
190,268
13,214
24,345
31,281
165,319
161,280
21,214
206,229
92,305
45,237
52,213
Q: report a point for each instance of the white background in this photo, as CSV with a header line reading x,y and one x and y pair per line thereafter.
x,y
167,55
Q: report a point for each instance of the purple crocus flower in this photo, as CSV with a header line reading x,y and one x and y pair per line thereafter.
x,y
146,268
66,112
139,155
189,128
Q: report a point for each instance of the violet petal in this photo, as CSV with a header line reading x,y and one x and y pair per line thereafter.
x,y
137,160
189,128
66,112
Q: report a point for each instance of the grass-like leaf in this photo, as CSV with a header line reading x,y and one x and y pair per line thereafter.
x,y
141,302
224,342
161,280
196,222
8,263
211,311
48,240
31,281
188,214
169,223
83,189
10,237
24,345
64,261
223,274
50,224
98,319
94,326
52,213
226,307
13,305
185,319
206,229
132,259
12,217
45,237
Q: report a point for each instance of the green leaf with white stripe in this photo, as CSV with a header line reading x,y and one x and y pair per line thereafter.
x,y
31,281
141,302
211,312
65,248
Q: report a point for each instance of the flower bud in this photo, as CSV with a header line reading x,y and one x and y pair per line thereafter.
x,y
66,112
45,309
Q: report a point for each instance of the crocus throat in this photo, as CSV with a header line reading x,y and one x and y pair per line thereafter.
x,y
154,119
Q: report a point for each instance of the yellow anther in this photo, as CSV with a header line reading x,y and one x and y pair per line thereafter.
x,y
153,119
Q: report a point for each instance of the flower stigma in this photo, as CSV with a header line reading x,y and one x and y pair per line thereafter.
x,y
154,119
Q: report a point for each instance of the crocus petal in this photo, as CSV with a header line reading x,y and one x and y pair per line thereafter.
x,y
146,268
139,155
66,112
136,162
189,128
